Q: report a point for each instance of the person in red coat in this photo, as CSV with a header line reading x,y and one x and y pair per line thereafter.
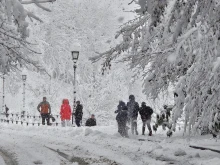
x,y
65,113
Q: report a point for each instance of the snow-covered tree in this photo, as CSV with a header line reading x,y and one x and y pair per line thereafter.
x,y
175,43
15,49
91,24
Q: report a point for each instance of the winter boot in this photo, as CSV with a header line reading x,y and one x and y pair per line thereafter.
x,y
150,133
143,130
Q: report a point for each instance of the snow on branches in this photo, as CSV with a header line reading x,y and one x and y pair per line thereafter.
x,y
13,33
176,42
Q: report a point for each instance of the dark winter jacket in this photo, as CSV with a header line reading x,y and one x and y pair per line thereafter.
x,y
145,112
120,106
122,116
133,109
6,109
79,113
91,122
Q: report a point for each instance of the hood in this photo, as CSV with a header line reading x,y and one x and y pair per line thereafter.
x,y
65,101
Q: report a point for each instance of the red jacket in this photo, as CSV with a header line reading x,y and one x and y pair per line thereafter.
x,y
65,110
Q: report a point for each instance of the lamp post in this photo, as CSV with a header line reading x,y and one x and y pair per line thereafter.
x,y
24,78
3,92
75,56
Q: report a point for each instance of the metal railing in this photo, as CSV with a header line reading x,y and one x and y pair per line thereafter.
x,y
33,120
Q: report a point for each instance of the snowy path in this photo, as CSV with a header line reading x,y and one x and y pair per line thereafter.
x,y
6,158
99,145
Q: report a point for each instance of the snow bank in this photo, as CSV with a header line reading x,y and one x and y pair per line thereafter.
x,y
100,145
180,152
214,161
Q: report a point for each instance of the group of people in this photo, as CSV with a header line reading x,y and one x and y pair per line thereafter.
x,y
128,113
65,113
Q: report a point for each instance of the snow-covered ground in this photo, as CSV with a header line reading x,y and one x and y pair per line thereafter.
x,y
101,145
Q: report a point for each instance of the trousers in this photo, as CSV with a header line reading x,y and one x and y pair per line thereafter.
x,y
134,126
122,129
77,121
147,122
45,116
65,123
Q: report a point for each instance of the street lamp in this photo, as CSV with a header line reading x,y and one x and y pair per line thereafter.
x,y
3,92
24,78
75,56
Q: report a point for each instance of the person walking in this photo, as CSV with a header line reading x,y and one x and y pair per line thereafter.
x,y
45,110
91,121
121,104
122,118
133,109
146,112
6,111
79,113
65,113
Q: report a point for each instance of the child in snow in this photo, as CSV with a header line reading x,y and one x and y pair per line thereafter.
x,y
91,121
65,113
163,120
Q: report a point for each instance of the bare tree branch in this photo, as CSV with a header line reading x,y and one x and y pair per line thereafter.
x,y
31,15
131,2
33,1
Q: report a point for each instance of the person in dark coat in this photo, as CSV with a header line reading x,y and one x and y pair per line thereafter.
x,y
91,121
79,113
146,112
6,111
133,109
122,118
119,108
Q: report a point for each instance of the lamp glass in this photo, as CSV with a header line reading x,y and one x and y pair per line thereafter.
x,y
24,77
75,55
